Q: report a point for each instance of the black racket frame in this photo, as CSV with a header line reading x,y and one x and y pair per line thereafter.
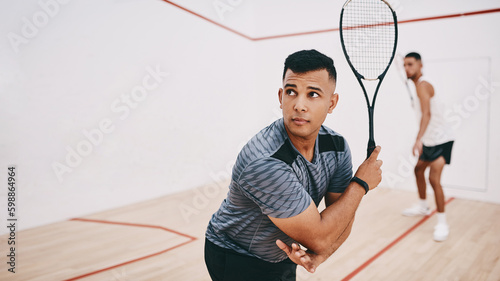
x,y
371,107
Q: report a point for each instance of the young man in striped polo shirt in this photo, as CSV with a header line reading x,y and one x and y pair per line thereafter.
x,y
280,177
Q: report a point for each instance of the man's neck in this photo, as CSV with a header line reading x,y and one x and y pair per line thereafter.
x,y
304,145
416,77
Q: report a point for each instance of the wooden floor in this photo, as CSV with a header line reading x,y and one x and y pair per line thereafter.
x,y
163,239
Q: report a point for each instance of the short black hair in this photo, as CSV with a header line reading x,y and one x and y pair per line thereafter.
x,y
310,60
414,55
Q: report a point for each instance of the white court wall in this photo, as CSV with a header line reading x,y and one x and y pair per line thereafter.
x,y
83,72
86,66
460,54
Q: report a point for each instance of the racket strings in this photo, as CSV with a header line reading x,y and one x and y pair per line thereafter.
x,y
368,31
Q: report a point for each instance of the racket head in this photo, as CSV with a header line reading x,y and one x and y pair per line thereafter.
x,y
368,35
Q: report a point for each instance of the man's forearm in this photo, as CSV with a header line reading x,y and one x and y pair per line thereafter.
x,y
424,122
334,247
338,218
342,237
319,231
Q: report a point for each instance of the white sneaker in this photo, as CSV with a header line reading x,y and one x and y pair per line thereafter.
x,y
441,232
416,210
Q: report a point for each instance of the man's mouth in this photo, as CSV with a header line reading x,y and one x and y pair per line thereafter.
x,y
299,121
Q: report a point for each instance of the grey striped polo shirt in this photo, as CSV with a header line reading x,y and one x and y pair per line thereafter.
x,y
271,178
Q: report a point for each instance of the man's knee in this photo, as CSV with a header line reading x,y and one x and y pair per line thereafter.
x,y
435,177
419,169
434,180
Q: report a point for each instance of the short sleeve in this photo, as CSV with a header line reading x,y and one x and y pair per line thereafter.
x,y
275,188
342,174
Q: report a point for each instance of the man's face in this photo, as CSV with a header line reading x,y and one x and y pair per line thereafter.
x,y
412,67
306,99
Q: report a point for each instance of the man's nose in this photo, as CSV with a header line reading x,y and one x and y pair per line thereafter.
x,y
301,103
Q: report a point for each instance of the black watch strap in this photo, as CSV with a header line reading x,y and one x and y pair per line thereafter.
x,y
362,183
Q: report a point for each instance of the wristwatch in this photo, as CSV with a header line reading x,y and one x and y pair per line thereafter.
x,y
362,183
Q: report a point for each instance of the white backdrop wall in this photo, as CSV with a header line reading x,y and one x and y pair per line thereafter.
x,y
86,66
466,75
107,103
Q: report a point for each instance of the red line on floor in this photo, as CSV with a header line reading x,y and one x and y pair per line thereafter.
x,y
325,30
135,224
191,239
372,259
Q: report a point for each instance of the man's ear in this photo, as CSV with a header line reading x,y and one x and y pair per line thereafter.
x,y
333,102
280,95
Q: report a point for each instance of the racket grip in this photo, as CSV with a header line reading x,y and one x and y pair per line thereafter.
x,y
371,147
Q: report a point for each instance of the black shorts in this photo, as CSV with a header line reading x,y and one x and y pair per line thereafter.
x,y
431,153
228,265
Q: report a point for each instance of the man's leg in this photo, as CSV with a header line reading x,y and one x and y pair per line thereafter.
x,y
226,265
215,260
421,208
435,180
441,230
420,176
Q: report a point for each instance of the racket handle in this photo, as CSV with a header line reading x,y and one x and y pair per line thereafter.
x,y
371,147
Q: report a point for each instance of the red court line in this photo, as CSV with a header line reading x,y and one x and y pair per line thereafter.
x,y
135,224
324,30
496,10
294,34
191,239
209,20
372,259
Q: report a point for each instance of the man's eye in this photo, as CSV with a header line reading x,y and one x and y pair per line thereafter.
x,y
290,92
313,95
